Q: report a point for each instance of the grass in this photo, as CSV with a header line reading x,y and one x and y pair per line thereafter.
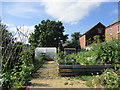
x,y
84,78
66,83
71,78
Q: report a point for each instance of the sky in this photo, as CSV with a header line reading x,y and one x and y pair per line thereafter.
x,y
76,15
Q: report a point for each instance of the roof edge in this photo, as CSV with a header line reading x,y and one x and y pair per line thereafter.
x,y
112,24
92,28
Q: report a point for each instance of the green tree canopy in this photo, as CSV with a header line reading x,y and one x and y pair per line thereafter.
x,y
75,36
74,42
48,34
6,38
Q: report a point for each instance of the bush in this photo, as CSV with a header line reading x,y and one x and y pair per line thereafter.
x,y
60,55
101,53
108,52
19,75
41,59
109,79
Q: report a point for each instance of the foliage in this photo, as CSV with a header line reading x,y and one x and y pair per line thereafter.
x,y
18,43
6,38
108,52
42,58
26,66
75,36
74,42
60,55
81,58
109,79
48,34
101,53
66,83
97,39
19,75
85,78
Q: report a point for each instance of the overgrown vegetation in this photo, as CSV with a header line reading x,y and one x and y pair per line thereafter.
x,y
102,53
109,79
17,59
16,73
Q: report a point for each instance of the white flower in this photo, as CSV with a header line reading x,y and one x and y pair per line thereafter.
x,y
108,72
110,80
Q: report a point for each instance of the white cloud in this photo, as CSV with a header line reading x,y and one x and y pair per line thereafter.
x,y
24,10
26,30
70,11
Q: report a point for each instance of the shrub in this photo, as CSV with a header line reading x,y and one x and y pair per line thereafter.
x,y
109,79
41,59
19,75
108,52
101,53
60,55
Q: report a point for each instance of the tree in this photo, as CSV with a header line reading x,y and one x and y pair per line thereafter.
x,y
74,42
75,36
6,38
48,34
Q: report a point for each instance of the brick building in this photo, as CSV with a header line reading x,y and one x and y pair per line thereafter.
x,y
113,31
98,29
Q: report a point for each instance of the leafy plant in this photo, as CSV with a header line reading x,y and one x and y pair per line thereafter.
x,y
109,79
66,83
19,75
108,52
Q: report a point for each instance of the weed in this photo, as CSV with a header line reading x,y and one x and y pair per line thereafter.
x,y
66,83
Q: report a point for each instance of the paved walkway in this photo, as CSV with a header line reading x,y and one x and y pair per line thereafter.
x,y
47,77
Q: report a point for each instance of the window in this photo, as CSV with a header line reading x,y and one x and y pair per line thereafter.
x,y
118,29
110,31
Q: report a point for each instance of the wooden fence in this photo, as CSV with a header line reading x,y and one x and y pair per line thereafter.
x,y
72,70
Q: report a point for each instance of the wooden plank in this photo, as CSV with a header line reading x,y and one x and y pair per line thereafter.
x,y
87,70
92,66
65,66
66,74
65,70
88,73
68,70
79,66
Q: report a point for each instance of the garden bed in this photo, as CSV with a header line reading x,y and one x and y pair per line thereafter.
x,y
73,70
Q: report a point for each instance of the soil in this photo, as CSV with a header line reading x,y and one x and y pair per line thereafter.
x,y
47,77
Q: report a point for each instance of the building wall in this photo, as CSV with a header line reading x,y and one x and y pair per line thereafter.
x,y
95,31
114,34
88,39
83,41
